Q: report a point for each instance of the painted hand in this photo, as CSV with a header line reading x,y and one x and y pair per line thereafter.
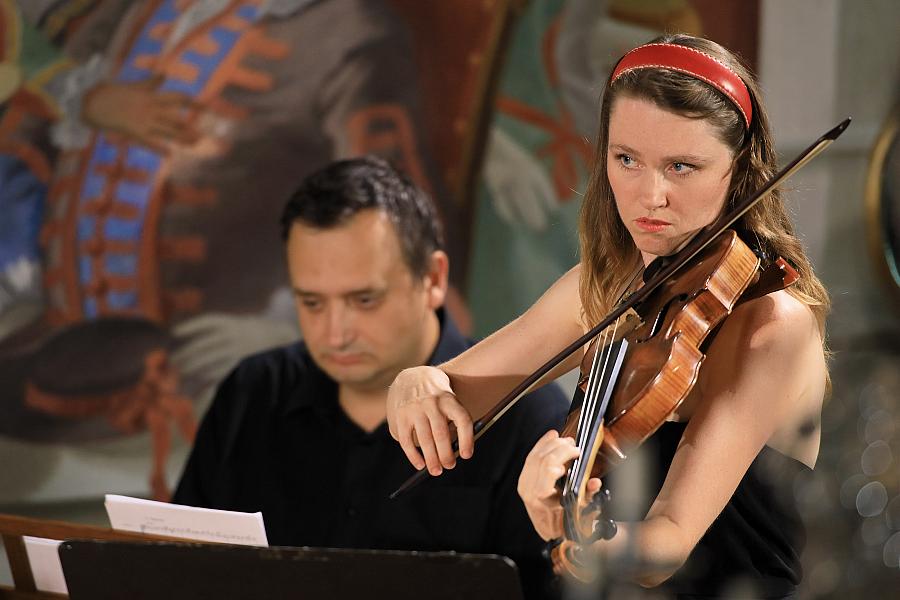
x,y
211,344
141,112
519,185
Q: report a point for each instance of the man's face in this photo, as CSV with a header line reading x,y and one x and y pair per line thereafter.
x,y
363,314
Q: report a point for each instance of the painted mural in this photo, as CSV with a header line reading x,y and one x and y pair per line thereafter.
x,y
143,173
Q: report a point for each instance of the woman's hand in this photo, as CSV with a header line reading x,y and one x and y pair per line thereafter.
x,y
544,466
420,406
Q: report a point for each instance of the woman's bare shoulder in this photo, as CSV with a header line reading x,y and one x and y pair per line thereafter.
x,y
774,338
775,319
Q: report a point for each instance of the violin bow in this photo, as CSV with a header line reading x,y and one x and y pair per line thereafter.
x,y
703,238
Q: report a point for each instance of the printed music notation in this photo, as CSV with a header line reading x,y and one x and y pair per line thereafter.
x,y
175,520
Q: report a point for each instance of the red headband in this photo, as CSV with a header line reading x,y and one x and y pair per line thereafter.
x,y
690,62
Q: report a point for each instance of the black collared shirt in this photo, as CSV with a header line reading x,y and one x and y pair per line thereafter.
x,y
276,440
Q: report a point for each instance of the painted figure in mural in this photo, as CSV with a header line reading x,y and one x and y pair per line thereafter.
x,y
364,252
170,133
683,135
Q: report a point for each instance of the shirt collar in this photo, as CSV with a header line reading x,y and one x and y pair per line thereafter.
x,y
450,343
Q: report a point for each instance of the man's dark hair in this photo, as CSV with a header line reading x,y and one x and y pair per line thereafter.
x,y
331,196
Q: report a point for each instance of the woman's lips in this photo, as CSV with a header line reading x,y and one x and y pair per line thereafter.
x,y
651,225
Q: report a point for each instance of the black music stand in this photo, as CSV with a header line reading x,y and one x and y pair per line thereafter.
x,y
100,570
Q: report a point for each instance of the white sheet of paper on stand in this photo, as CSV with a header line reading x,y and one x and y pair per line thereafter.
x,y
45,566
199,524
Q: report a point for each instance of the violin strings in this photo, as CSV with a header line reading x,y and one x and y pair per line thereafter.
x,y
585,402
591,383
589,404
596,397
590,395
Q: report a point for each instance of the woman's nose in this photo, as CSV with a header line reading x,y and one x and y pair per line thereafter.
x,y
653,192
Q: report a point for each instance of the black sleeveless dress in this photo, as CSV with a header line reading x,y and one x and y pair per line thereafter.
x,y
752,550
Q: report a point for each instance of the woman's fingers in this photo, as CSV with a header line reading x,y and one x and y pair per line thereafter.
x,y
426,443
462,421
546,440
544,465
404,435
549,455
554,463
563,452
440,434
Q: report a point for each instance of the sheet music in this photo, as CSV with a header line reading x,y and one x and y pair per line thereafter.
x,y
45,566
200,524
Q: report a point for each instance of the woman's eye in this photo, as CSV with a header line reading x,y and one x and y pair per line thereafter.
x,y
626,160
681,168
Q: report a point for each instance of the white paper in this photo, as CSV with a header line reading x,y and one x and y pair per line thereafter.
x,y
43,557
188,522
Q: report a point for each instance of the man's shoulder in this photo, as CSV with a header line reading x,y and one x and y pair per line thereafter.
x,y
272,374
292,358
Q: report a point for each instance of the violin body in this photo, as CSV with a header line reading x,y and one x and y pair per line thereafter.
x,y
665,338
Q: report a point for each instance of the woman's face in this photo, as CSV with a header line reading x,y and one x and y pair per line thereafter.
x,y
669,174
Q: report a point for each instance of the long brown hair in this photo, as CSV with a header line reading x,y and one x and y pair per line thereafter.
x,y
609,257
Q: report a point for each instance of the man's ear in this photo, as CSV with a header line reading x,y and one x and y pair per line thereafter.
x,y
436,278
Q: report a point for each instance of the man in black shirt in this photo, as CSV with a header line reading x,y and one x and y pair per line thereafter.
x,y
299,432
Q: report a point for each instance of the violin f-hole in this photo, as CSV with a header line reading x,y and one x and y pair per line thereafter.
x,y
661,317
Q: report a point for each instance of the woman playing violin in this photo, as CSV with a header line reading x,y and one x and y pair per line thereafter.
x,y
683,136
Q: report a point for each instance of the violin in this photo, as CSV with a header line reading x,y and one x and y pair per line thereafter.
x,y
647,357
638,372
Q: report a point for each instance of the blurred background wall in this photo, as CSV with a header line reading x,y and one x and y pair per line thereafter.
x,y
845,51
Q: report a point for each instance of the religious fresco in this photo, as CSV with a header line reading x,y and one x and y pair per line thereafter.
x,y
143,173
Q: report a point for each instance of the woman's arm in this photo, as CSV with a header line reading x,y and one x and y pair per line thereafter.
x,y
766,358
422,400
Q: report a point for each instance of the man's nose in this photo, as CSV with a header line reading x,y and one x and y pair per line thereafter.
x,y
340,326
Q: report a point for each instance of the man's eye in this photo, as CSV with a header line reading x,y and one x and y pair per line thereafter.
x,y
365,301
310,304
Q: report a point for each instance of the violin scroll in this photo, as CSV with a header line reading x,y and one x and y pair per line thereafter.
x,y
575,558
